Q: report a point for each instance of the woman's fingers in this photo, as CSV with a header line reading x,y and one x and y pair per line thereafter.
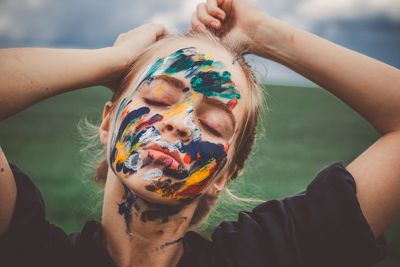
x,y
196,24
160,31
214,10
147,33
205,18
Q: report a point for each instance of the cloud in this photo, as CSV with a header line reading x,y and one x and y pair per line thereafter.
x,y
369,26
177,17
317,10
89,23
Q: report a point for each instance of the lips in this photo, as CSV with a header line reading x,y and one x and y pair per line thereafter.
x,y
164,157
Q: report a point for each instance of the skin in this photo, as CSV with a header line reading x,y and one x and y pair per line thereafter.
x,y
368,86
151,242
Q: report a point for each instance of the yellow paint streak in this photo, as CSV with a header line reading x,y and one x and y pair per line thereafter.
x,y
136,146
207,68
197,58
177,110
194,178
208,56
199,176
159,89
121,154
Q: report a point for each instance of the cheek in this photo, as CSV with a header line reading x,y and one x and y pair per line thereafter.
x,y
207,159
133,130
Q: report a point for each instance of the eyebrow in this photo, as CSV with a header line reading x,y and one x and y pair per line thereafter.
x,y
171,81
177,83
221,105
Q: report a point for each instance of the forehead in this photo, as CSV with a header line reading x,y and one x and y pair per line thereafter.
x,y
220,76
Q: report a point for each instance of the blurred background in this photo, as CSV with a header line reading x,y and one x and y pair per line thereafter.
x,y
306,128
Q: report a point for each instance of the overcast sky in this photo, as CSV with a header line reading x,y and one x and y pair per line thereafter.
x,y
368,26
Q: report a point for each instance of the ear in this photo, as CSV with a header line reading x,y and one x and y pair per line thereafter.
x,y
105,123
218,185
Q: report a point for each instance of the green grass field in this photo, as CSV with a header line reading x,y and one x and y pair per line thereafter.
x,y
306,129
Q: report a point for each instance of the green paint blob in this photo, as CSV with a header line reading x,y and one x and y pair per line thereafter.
x,y
214,83
201,71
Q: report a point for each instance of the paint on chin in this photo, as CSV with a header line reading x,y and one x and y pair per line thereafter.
x,y
138,128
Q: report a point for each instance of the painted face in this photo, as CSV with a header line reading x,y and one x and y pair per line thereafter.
x,y
173,129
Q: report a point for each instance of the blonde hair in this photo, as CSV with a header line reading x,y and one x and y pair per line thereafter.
x,y
245,137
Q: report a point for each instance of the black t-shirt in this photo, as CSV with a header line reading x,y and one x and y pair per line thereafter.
x,y
321,227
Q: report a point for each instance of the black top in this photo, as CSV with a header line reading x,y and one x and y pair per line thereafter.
x,y
322,226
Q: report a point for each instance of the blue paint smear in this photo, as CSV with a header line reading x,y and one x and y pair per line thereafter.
x,y
125,207
202,152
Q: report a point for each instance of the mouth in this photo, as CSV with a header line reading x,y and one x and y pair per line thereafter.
x,y
163,156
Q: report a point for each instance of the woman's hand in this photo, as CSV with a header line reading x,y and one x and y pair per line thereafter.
x,y
39,73
132,42
236,21
129,45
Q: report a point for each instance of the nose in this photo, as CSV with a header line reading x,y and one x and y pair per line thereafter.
x,y
175,131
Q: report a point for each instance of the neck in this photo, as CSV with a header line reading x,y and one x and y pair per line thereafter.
x,y
147,236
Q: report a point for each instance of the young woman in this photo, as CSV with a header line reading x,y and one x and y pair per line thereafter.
x,y
179,127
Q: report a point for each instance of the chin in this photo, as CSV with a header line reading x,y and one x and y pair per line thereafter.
x,y
149,191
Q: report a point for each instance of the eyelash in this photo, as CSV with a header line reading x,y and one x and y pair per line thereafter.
x,y
155,103
210,129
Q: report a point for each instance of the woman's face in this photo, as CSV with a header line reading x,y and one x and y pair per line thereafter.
x,y
174,126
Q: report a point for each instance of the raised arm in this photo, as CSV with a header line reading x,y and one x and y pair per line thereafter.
x,y
370,87
29,75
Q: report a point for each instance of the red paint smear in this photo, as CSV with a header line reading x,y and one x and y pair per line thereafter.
x,y
232,103
193,189
187,159
226,147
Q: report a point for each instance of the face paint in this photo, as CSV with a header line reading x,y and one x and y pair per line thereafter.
x,y
153,175
232,103
125,207
139,141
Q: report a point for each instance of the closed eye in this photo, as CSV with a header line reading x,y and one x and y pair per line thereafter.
x,y
155,103
210,129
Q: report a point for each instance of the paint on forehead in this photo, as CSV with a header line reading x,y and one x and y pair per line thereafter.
x,y
203,73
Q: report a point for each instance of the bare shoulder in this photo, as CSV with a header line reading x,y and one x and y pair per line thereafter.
x,y
8,193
